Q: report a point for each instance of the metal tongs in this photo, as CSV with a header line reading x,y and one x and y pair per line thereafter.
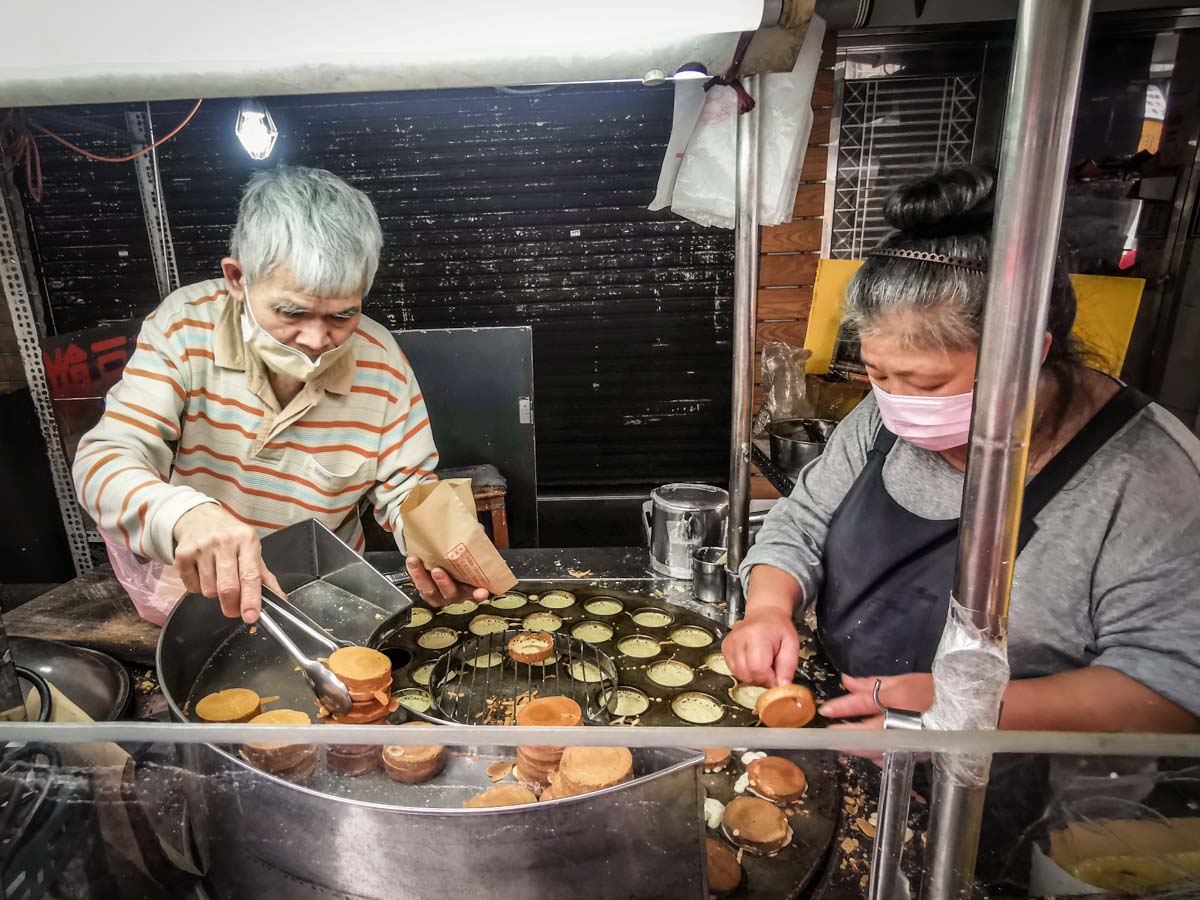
x,y
326,686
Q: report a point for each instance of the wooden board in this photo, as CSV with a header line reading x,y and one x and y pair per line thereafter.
x,y
801,236
823,88
810,200
761,488
816,163
790,332
787,269
784,303
822,119
91,611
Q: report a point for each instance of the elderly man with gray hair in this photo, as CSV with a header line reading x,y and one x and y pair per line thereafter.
x,y
263,398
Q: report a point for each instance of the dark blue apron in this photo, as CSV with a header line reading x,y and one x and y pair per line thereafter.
x,y
888,572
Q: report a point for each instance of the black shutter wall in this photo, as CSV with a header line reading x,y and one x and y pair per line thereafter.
x,y
498,209
88,231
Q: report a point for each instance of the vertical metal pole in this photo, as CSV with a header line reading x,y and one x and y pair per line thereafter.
x,y
16,291
12,703
886,877
971,668
154,207
891,823
834,154
745,305
18,294
1034,156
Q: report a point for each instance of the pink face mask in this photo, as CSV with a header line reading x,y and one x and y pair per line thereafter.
x,y
934,423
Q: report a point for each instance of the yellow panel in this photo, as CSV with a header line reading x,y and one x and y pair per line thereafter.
x,y
1108,307
832,277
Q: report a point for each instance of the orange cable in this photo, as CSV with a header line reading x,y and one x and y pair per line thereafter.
x,y
25,150
119,159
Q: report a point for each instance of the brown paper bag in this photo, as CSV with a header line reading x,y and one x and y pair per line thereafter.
x,y
441,529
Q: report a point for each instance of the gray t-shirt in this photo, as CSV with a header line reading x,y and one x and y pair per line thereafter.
x,y
1111,577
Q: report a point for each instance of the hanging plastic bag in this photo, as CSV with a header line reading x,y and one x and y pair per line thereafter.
x,y
704,187
785,101
784,379
701,186
689,100
153,587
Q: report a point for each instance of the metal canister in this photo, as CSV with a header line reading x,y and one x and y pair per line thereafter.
x,y
708,574
681,519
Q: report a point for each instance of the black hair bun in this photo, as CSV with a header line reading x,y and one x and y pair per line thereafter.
x,y
951,201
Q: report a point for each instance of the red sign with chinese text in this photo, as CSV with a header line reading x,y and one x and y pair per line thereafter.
x,y
87,363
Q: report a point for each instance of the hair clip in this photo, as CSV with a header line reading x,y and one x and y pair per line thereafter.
x,y
923,256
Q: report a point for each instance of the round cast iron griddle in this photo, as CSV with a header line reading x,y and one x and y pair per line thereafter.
x,y
784,875
631,671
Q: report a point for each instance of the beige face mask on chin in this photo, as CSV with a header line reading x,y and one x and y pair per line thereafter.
x,y
278,356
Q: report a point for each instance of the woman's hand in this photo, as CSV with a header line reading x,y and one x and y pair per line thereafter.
x,y
437,588
913,692
763,648
1094,698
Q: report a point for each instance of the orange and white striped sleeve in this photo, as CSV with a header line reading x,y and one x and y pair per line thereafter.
x,y
123,464
407,454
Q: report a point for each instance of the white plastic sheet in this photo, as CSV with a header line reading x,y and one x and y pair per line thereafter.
x,y
699,168
787,118
689,100
970,674
705,190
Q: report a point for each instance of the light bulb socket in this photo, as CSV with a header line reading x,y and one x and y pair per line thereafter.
x,y
692,70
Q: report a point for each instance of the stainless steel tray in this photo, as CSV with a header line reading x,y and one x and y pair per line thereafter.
x,y
371,837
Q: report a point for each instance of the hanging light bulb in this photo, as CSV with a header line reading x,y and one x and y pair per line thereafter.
x,y
256,129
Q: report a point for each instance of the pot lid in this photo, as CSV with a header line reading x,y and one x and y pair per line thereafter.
x,y
690,497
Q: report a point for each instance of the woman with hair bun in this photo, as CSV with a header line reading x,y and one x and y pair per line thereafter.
x,y
1104,624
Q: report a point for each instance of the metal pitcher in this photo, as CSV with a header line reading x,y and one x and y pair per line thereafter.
x,y
681,518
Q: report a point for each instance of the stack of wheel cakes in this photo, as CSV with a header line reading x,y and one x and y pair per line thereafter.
x,y
536,764
367,675
294,762
586,769
414,763
557,772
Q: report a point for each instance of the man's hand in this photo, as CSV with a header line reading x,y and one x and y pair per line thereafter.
x,y
913,692
218,556
763,648
437,588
